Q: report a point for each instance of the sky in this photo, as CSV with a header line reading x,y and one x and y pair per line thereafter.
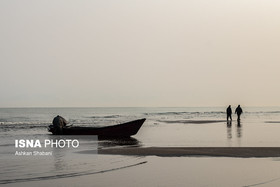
x,y
140,53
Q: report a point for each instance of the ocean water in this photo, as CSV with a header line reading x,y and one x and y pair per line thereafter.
x,y
193,127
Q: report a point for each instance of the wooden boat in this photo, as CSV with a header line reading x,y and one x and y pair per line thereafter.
x,y
121,130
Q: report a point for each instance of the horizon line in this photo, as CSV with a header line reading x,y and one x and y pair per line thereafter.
x,y
128,106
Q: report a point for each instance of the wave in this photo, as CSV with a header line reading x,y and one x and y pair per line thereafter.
x,y
7,123
23,125
263,112
210,112
106,117
67,175
13,119
166,113
12,127
180,113
192,121
3,120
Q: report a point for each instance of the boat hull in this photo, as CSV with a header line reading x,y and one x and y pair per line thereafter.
x,y
121,130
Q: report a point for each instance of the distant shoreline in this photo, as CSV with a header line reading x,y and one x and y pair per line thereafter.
x,y
241,152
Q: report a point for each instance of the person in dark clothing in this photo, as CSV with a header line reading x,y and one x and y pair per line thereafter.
x,y
58,123
229,112
238,111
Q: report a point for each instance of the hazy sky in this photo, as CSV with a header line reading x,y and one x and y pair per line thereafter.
x,y
139,53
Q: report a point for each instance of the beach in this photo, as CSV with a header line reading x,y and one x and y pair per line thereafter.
x,y
239,152
128,93
171,171
174,147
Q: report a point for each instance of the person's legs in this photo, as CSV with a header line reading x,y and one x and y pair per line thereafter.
x,y
238,117
229,117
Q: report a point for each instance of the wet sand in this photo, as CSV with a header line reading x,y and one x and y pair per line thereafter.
x,y
172,171
241,152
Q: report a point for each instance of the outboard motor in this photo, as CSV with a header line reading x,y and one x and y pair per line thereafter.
x,y
53,129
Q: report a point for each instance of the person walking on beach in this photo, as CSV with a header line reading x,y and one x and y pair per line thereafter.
x,y
58,123
238,111
229,112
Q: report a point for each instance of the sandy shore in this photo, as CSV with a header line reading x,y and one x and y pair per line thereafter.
x,y
242,152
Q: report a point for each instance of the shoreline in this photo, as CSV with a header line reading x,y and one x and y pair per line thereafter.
x,y
240,152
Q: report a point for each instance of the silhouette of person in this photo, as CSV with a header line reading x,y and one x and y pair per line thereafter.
x,y
58,123
238,111
229,112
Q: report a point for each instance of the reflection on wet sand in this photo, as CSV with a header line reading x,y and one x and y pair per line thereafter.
x,y
229,130
238,130
59,154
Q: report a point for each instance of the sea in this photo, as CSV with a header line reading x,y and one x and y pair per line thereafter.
x,y
164,127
